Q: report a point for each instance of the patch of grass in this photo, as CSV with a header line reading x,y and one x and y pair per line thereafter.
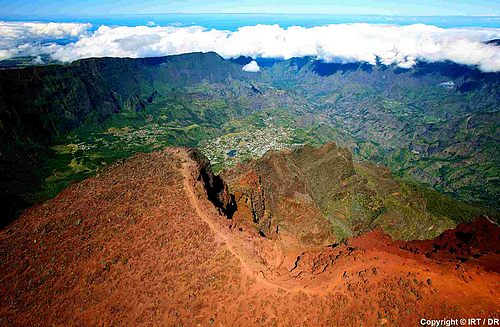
x,y
460,212
341,231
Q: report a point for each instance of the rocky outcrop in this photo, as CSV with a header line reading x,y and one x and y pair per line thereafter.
x,y
273,194
320,196
477,241
216,189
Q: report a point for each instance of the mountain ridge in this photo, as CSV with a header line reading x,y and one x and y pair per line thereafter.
x,y
141,242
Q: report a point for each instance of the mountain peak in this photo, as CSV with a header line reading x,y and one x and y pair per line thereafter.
x,y
143,241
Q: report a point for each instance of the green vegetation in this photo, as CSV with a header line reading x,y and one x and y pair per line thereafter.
x,y
83,152
60,124
441,205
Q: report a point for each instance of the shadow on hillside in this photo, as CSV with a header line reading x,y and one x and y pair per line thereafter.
x,y
326,69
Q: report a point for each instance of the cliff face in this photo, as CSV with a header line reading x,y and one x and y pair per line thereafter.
x,y
45,101
215,187
320,195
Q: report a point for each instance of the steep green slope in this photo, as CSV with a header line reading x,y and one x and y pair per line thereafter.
x,y
40,104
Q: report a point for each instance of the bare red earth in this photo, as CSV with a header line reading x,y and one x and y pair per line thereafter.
x,y
140,244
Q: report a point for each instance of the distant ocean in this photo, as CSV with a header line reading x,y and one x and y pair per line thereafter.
x,y
233,21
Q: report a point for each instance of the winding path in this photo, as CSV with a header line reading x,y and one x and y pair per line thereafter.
x,y
188,183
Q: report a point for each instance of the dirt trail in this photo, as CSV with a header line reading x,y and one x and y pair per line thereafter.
x,y
189,183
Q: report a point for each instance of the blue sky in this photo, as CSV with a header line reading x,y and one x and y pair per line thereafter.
x,y
55,8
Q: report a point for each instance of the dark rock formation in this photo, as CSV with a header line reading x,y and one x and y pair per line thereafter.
x,y
216,188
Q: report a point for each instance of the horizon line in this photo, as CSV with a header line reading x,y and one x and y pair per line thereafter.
x,y
257,13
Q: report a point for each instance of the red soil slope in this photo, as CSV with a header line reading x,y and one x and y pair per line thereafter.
x,y
140,244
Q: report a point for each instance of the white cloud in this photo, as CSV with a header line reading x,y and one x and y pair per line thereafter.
x,y
251,67
38,61
32,39
390,44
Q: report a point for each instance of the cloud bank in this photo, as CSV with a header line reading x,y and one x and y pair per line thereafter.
x,y
371,43
34,39
252,67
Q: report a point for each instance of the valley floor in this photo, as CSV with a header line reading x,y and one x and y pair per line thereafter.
x,y
140,244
